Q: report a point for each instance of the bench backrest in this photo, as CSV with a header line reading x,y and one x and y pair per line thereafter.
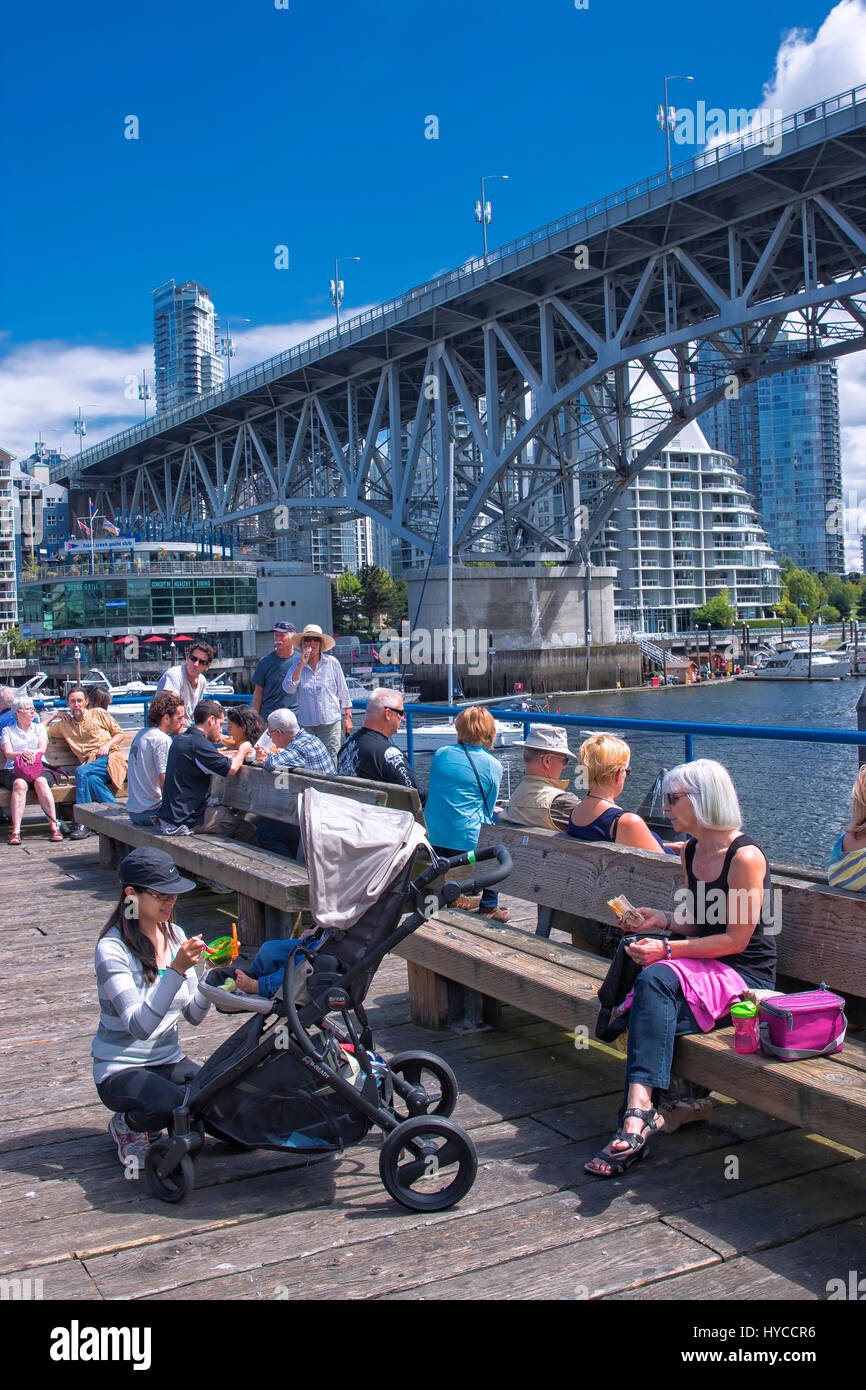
x,y
252,789
59,754
822,932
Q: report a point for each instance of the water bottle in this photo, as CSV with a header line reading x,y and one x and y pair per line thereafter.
x,y
745,1019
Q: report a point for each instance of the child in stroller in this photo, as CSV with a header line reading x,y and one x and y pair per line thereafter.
x,y
300,1075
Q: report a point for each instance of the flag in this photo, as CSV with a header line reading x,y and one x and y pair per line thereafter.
x,y
670,122
110,527
85,528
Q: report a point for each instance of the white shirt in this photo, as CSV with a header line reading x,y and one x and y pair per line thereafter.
x,y
23,740
176,679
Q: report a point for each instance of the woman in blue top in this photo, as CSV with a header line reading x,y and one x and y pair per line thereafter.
x,y
604,762
464,782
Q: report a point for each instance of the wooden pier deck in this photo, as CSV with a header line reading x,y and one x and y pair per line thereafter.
x,y
741,1208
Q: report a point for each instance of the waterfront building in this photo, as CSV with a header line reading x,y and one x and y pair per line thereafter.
x,y
186,361
40,508
682,532
160,590
784,433
8,568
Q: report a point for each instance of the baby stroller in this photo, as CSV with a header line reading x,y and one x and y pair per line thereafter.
x,y
300,1074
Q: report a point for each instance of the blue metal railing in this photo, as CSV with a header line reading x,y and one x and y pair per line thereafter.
x,y
689,729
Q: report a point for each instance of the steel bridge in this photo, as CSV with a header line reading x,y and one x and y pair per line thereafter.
x,y
574,346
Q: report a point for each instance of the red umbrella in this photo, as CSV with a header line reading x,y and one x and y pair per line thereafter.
x,y
183,639
123,639
67,642
156,639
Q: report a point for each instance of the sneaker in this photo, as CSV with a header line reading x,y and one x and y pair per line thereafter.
x,y
80,832
494,914
130,1143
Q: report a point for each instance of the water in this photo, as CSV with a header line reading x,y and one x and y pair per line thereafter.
x,y
795,797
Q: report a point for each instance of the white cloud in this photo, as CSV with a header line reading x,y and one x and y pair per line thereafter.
x,y
43,384
808,69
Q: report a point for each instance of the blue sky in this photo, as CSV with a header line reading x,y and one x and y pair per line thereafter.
x,y
305,127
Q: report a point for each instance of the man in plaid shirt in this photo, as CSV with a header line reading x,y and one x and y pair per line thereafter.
x,y
295,747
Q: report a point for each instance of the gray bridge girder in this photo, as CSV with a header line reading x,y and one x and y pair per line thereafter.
x,y
528,369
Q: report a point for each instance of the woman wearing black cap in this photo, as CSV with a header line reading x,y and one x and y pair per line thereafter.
x,y
146,982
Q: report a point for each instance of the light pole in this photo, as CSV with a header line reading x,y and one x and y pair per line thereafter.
x,y
80,428
337,285
227,347
483,210
666,122
144,392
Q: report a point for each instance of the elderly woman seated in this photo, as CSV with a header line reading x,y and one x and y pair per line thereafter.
x,y
604,762
847,867
23,743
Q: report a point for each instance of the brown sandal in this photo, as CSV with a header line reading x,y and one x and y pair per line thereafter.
x,y
56,836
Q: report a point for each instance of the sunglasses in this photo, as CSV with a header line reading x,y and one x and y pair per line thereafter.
x,y
199,660
673,797
399,712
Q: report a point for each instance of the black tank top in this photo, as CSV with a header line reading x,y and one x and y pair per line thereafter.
x,y
711,901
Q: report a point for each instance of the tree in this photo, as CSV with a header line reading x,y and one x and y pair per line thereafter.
x,y
399,608
346,600
718,611
829,614
377,596
803,591
11,640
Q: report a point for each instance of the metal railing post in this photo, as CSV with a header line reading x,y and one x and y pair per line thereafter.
x,y
689,748
410,745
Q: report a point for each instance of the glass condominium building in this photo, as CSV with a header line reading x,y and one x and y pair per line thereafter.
x,y
784,433
683,531
186,362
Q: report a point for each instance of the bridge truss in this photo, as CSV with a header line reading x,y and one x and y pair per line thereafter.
x,y
572,348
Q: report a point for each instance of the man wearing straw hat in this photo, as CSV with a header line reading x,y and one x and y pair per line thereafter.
x,y
321,688
541,798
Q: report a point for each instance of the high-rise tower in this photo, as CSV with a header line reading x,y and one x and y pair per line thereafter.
x,y
784,433
184,343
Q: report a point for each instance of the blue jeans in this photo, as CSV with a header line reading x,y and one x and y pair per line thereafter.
x,y
278,837
659,1015
91,782
149,818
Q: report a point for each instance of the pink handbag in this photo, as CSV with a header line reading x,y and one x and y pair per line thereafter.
x,y
795,1027
29,771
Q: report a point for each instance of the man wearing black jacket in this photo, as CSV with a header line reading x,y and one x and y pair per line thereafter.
x,y
369,751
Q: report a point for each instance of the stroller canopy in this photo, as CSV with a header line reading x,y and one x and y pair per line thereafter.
x,y
353,852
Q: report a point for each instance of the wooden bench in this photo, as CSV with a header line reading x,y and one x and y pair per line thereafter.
x,y
822,938
60,755
265,883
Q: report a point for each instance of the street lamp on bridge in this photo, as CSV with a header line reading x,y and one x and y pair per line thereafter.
x,y
227,347
484,210
337,285
667,119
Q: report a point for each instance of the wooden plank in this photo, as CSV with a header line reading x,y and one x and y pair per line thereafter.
x,y
823,932
251,789
254,872
800,1270
428,998
67,1279
580,1269
781,1211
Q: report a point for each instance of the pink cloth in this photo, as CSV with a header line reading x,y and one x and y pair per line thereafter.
x,y
709,988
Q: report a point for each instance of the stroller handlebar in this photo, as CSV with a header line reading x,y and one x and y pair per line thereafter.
x,y
493,872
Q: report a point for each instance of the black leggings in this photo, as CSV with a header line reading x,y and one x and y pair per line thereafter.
x,y
147,1095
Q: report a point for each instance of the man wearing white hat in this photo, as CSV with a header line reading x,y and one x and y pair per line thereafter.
x,y
321,688
541,798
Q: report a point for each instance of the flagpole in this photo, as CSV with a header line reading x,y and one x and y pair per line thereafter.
x,y
90,512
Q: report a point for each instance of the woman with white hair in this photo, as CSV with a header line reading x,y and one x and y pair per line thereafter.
x,y
720,932
23,744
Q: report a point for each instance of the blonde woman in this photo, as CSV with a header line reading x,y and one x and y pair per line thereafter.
x,y
23,744
464,782
604,761
847,867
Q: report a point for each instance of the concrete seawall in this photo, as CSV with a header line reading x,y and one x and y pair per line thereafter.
x,y
540,671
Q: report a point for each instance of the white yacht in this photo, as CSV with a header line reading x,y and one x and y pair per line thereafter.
x,y
426,738
793,665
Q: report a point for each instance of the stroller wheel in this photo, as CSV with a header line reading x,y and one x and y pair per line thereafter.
x,y
429,1073
428,1163
170,1187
